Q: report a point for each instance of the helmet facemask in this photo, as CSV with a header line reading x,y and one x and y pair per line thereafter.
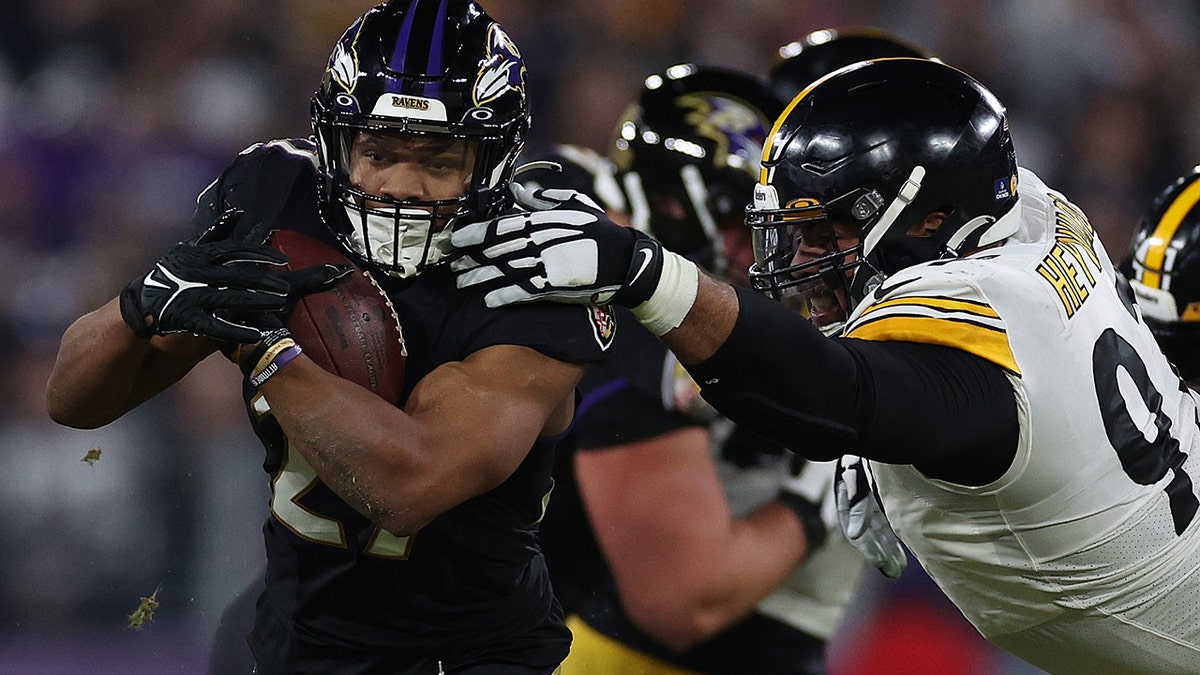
x,y
1163,269
402,236
677,208
808,255
440,81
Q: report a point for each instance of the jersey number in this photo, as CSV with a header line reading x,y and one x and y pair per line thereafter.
x,y
1144,460
294,481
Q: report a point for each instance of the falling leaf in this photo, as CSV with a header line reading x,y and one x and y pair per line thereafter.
x,y
91,456
145,610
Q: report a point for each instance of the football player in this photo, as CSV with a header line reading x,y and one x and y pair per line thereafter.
x,y
400,539
798,65
1032,446
1163,268
676,541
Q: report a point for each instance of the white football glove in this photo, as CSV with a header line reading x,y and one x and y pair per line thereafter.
x,y
565,249
862,519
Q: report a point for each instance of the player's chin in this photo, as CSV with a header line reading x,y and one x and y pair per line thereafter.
x,y
822,305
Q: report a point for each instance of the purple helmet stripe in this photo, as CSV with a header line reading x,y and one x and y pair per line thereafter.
x,y
399,50
436,49
419,45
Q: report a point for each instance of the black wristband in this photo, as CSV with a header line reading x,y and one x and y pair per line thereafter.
x,y
809,515
645,270
253,361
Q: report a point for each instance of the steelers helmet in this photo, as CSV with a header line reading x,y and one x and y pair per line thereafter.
x,y
1163,268
880,146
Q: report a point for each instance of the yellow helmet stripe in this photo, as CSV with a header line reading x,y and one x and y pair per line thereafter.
x,y
766,152
1156,254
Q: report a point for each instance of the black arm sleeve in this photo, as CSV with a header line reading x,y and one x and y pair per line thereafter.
x,y
897,402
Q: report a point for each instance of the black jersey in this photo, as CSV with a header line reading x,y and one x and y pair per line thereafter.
x,y
639,393
344,595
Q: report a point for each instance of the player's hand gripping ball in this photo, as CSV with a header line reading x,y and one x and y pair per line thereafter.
x,y
351,330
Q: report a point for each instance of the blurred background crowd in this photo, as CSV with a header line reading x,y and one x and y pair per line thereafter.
x,y
115,114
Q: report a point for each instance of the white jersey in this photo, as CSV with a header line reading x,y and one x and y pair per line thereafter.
x,y
1085,556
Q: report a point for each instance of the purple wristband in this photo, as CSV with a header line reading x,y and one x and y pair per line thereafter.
x,y
281,359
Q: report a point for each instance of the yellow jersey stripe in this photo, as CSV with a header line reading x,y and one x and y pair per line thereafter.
x,y
973,307
1165,231
982,341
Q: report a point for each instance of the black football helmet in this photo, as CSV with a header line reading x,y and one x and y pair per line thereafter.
x,y
687,153
432,68
821,52
1163,267
878,146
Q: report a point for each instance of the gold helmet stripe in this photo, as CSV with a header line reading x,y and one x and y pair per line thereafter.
x,y
766,154
769,145
1165,231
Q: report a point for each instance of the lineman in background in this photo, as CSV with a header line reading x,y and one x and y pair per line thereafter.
x,y
821,52
671,538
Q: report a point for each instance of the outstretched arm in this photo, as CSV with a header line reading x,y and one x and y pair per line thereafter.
x,y
759,363
777,374
707,324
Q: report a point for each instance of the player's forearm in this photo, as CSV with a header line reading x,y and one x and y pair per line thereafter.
x,y
777,374
705,592
708,323
366,450
103,370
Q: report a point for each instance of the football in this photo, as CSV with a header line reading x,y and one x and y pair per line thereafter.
x,y
351,330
